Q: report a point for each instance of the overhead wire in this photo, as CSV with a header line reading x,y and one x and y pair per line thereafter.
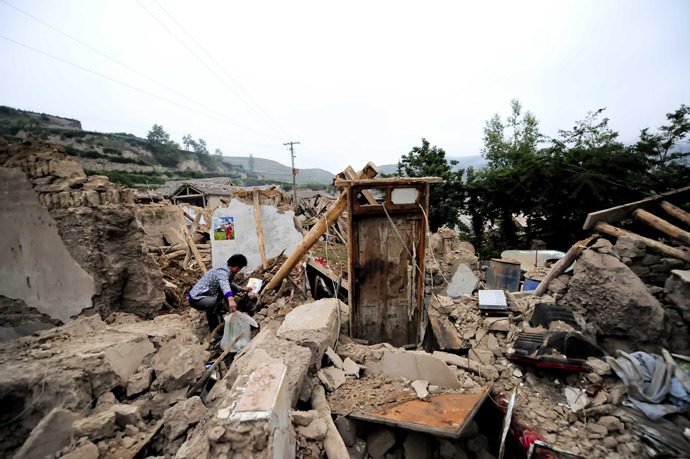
x,y
86,45
191,51
143,91
268,117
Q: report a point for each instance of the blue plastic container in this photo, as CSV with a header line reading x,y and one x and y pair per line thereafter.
x,y
530,284
503,275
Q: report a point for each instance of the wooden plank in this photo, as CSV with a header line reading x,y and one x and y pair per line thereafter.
x,y
316,232
259,230
562,264
396,181
191,244
618,213
210,369
651,243
352,175
445,415
662,225
676,212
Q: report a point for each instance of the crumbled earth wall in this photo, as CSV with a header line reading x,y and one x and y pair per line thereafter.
x,y
97,224
87,367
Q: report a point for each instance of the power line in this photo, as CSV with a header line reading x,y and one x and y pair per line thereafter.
x,y
198,58
129,85
275,125
112,58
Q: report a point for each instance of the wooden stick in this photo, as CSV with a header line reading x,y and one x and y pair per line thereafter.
x,y
203,379
133,453
259,230
191,244
175,254
317,231
677,212
187,256
662,225
562,265
215,330
651,243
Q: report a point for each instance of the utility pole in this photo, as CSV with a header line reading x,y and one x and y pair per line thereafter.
x,y
294,173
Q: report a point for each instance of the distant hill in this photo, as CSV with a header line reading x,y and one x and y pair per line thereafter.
x,y
476,161
130,160
273,170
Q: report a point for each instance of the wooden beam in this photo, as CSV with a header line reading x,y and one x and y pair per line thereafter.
x,y
188,255
662,225
259,230
651,243
352,175
677,212
370,170
616,214
191,244
563,264
205,376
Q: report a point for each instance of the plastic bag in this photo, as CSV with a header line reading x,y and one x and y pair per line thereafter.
x,y
236,323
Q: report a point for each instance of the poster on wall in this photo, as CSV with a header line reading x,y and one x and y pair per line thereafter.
x,y
224,230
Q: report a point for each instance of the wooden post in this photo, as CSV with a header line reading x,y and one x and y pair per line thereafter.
x,y
352,175
317,230
191,244
188,254
562,265
677,212
651,243
662,225
259,230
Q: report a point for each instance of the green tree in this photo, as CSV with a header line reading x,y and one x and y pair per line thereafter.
x,y
668,164
158,136
218,152
188,142
445,199
512,149
201,147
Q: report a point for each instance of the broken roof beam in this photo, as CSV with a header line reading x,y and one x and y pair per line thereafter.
x,y
651,243
662,225
615,214
352,175
319,228
399,181
676,212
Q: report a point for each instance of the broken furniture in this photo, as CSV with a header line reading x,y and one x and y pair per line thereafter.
x,y
387,244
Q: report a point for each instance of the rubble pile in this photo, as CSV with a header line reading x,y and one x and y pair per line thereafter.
x,y
99,389
124,377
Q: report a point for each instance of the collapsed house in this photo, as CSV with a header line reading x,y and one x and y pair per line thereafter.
x,y
102,357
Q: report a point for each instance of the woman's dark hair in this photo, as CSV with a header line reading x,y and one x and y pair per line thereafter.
x,y
238,261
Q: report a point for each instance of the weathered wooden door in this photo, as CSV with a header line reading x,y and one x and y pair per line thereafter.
x,y
387,245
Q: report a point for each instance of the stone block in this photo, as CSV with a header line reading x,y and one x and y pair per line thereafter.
x,y
139,382
379,441
416,445
315,430
497,323
85,451
334,358
485,371
331,377
50,435
612,423
413,365
630,247
350,367
677,291
347,428
178,419
125,357
358,450
96,427
484,357
314,326
303,418
178,364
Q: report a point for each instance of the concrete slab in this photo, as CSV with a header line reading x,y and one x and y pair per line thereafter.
x,y
413,366
314,326
463,282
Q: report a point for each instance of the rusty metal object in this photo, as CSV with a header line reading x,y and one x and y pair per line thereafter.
x,y
445,415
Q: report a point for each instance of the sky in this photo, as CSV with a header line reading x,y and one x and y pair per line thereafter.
x,y
352,82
